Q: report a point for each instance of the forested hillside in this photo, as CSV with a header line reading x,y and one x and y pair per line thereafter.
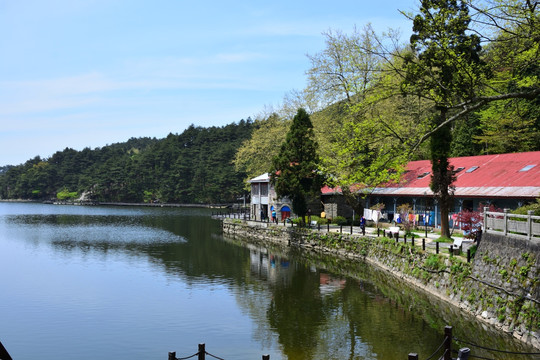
x,y
193,167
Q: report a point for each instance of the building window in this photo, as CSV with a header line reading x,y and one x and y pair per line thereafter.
x,y
527,168
255,189
264,189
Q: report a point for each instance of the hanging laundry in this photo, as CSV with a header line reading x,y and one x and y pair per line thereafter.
x,y
367,214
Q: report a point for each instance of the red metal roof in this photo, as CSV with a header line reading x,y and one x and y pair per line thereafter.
x,y
505,175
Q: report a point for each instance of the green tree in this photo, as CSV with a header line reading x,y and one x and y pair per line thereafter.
x,y
465,135
65,194
512,33
255,155
295,169
445,68
368,124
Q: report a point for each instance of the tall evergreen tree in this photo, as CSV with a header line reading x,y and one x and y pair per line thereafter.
x,y
295,172
447,69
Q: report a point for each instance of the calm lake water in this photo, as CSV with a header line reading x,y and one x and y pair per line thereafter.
x,y
135,283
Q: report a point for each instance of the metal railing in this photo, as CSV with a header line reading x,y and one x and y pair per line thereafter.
x,y
201,355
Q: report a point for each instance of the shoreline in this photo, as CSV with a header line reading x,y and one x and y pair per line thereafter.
x,y
478,289
110,203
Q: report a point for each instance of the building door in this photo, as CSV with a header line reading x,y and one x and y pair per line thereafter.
x,y
285,212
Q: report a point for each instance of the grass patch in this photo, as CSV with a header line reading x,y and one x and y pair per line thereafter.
x,y
443,239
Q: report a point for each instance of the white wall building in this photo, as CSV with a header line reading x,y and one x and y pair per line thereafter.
x,y
264,200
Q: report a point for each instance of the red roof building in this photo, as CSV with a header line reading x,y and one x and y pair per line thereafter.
x,y
504,180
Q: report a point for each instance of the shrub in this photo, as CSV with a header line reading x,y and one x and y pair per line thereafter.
x,y
535,207
295,221
433,262
473,250
339,220
66,194
404,210
471,222
319,220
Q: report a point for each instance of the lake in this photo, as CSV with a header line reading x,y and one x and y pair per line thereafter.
x,y
90,282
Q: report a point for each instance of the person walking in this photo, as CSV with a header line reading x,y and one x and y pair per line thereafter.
x,y
363,225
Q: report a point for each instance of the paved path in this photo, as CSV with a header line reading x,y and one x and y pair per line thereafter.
x,y
372,232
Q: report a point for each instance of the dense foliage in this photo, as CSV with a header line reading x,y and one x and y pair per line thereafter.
x,y
193,167
294,172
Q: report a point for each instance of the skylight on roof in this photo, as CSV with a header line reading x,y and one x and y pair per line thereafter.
x,y
527,168
458,170
423,175
471,169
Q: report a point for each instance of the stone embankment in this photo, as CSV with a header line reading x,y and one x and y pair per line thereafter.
x,y
500,286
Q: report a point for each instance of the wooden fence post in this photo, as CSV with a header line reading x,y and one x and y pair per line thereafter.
x,y
266,357
447,343
437,247
202,352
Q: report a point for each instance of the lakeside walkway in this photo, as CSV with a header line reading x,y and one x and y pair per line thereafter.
x,y
430,240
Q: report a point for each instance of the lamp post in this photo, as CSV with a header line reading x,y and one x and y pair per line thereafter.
x,y
425,208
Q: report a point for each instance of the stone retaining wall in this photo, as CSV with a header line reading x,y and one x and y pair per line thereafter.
x,y
500,287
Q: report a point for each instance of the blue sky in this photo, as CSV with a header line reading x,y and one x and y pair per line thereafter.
x,y
90,73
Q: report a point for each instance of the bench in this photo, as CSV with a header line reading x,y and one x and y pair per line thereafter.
x,y
394,229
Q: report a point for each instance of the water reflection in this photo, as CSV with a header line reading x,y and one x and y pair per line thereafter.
x,y
364,313
317,314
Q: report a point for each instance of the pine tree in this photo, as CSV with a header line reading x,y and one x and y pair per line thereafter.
x,y
295,172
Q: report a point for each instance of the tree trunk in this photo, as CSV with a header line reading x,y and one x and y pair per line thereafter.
x,y
443,173
355,201
445,201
